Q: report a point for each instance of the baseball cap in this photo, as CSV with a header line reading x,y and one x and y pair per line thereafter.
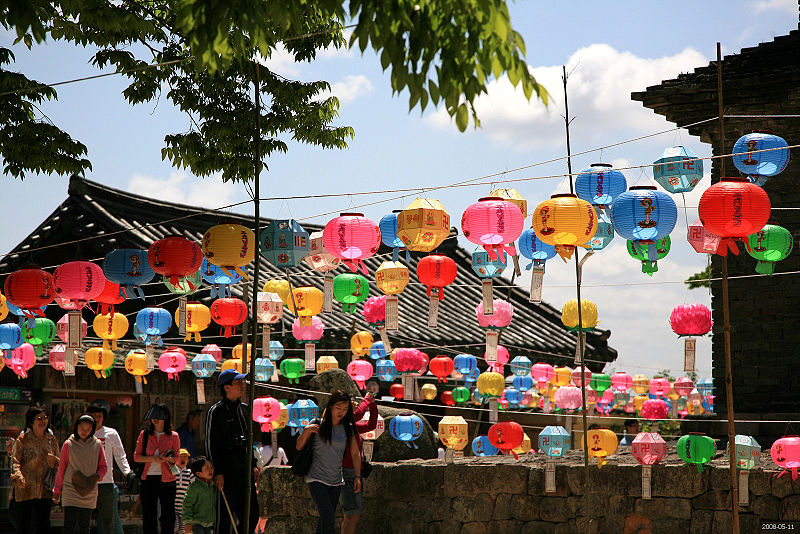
x,y
228,376
183,451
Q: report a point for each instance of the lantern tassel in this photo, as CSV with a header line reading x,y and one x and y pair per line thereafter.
x,y
97,374
765,267
565,251
725,244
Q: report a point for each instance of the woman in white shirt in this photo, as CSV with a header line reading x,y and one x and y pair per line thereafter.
x,y
266,453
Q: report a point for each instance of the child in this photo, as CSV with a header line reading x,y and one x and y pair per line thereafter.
x,y
200,502
182,481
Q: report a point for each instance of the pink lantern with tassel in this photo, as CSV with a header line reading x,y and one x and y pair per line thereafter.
x,y
502,360
22,359
785,453
172,361
493,223
568,397
542,373
266,411
57,356
79,281
352,238
360,371
409,361
660,387
621,381
62,328
576,377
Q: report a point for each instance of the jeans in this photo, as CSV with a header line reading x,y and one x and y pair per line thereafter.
x,y
200,529
76,520
107,508
153,492
325,499
32,516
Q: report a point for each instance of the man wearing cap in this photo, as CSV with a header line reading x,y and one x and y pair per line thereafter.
x,y
107,492
226,446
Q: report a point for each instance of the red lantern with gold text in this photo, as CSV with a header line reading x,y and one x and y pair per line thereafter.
x,y
79,281
733,208
175,257
29,289
436,271
441,367
506,436
229,313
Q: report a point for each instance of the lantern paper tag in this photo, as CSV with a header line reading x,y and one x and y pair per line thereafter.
x,y
150,352
385,338
139,389
265,333
327,303
311,359
537,281
448,456
367,447
408,387
274,435
744,487
689,345
550,476
458,454
433,311
201,391
492,411
491,346
182,316
647,473
517,271
391,312
578,352
69,362
488,301
74,328
546,404
275,376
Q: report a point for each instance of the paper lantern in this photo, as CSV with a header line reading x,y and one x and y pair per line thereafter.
x,y
520,365
785,453
568,397
486,267
283,418
600,184
22,360
360,343
326,363
423,225
110,328
503,313
214,351
318,258
465,363
377,351
175,257
494,224
460,394
40,334
397,391
228,313
266,410
659,387
388,228
569,315
747,451
203,365
308,334
232,363
269,308
130,268
283,289
374,310
491,384
604,233
219,278
600,382
581,381
99,360
230,247
621,381
3,307
621,398
678,170
409,361
391,277
648,448
301,413
561,376
691,320
565,221
454,432
136,364
655,409
733,208
703,241
352,238
350,289
153,322
705,386
525,446
79,282
186,285
555,441
769,163
771,244
506,436
522,383
56,358
198,317
641,384
62,328
602,443
109,297
481,446
308,301
441,367
649,261
696,448
29,289
406,427
683,386
436,271
513,196
284,243
542,373
536,250
428,391
644,215
293,369
360,371
237,353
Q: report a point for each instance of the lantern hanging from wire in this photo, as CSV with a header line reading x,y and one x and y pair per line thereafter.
x,y
349,289
198,317
308,301
388,228
130,268
690,321
186,285
360,371
228,313
409,361
465,363
423,225
481,446
604,233
491,384
696,448
318,258
136,365
3,307
99,360
175,258
649,265
386,371
565,221
308,335
153,322
266,411
536,250
283,289
172,361
110,328
485,267
785,453
569,315
600,184
301,413
648,448
406,427
503,313
733,208
748,160
360,343
513,196
602,443
506,436
436,271
56,358
22,360
352,238
29,290
391,277
746,451
678,170
109,297
78,281
284,243
269,308
520,365
461,394
40,334
644,215
325,363
374,310
703,241
441,367
771,244
577,379
621,381
555,441
230,247
494,224
568,397
204,365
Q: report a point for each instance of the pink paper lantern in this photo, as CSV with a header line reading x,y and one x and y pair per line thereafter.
x,y
57,356
591,395
629,407
568,397
212,350
648,448
654,409
785,453
691,320
495,224
660,387
360,371
409,360
502,360
702,240
66,304
78,281
576,377
62,328
374,310
266,410
621,381
22,359
683,386
503,313
351,237
172,361
607,396
542,373
312,332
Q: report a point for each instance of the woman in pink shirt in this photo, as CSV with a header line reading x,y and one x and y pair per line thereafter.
x,y
157,447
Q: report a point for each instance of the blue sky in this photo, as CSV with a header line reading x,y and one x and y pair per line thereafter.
x,y
611,49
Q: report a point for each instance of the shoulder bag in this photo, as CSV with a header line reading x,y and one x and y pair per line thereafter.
x,y
305,456
137,470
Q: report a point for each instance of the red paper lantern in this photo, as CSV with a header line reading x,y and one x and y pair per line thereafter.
x,y
229,313
493,223
733,208
655,409
396,391
447,398
175,257
29,289
436,271
351,237
506,436
79,281
441,367
109,297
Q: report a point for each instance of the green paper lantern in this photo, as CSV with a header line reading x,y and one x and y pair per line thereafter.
x,y
42,333
461,394
350,289
770,244
186,285
696,448
640,253
293,369
600,382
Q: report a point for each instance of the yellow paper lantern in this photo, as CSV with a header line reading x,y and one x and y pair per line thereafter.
x,y
198,317
391,277
136,364
360,343
99,360
283,419
326,363
525,446
548,389
695,409
309,301
569,314
423,225
283,289
233,363
638,401
110,327
236,353
454,432
565,221
491,384
562,376
602,443
3,308
513,196
230,247
641,384
428,391
673,395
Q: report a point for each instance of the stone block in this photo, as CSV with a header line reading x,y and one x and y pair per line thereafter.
x,y
563,528
525,507
722,522
430,509
620,504
428,480
450,526
719,479
536,481
767,507
478,527
650,508
782,486
749,523
760,482
670,526
576,505
678,508
553,509
701,522
492,479
537,527
790,508
683,481
611,523
473,508
712,500
502,507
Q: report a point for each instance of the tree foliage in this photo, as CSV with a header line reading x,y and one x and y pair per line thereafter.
x,y
701,279
440,51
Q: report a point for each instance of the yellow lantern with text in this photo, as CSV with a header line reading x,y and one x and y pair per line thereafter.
x,y
283,289
602,443
638,402
641,384
99,360
308,301
326,363
198,317
3,308
525,446
360,343
673,395
513,196
233,363
236,353
283,419
423,225
454,432
565,221
136,364
569,315
230,247
562,376
428,391
391,277
491,384
110,328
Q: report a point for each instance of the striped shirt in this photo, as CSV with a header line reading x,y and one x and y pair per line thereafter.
x,y
182,481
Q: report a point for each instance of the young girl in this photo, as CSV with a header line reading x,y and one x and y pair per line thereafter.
x,y
324,479
82,464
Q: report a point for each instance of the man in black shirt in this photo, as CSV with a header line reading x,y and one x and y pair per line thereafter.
x,y
226,446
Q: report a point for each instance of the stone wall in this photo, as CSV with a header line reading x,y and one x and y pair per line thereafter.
x,y
500,495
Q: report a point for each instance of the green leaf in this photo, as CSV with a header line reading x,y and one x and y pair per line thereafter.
x,y
462,117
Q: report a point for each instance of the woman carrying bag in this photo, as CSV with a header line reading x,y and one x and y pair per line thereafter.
x,y
328,441
349,499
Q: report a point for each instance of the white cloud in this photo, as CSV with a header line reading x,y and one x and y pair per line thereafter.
x,y
351,88
180,188
790,6
281,62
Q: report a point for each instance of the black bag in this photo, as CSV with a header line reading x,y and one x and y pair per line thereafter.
x,y
366,468
134,479
302,461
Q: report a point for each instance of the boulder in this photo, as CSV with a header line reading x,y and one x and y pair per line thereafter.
x,y
330,381
388,449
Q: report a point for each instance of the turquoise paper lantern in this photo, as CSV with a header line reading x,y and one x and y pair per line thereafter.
x,y
676,172
520,365
219,280
284,243
203,365
275,350
264,369
377,351
129,268
153,323
301,413
481,446
486,267
604,233
554,441
386,370
747,451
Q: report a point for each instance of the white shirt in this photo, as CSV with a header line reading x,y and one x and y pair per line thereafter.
x,y
266,456
112,445
155,467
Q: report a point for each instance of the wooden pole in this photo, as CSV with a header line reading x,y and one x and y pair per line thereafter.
x,y
726,320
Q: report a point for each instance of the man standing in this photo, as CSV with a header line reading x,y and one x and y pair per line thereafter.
x,y
107,492
188,429
226,447
631,430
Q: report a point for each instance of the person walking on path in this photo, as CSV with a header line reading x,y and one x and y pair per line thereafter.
x,y
82,464
352,505
199,505
107,490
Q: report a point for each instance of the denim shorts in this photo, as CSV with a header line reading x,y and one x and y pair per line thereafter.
x,y
351,502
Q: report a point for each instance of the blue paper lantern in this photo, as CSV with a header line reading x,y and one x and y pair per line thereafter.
x,y
520,365
477,398
533,248
264,369
522,383
275,350
386,370
465,363
220,280
761,163
129,268
301,413
204,365
513,396
644,215
377,351
24,320
10,337
284,243
600,184
605,231
486,267
153,323
481,446
472,376
675,171
406,427
388,228
554,441
705,386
